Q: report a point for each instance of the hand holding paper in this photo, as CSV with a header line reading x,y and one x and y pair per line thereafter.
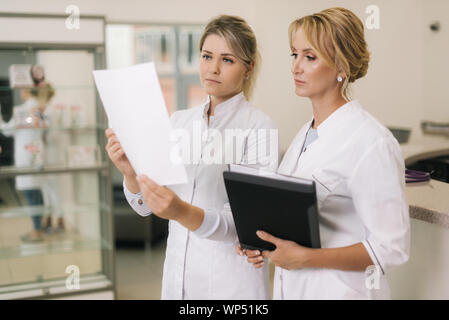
x,y
136,110
118,155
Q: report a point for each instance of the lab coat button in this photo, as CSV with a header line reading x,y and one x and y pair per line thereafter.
x,y
140,201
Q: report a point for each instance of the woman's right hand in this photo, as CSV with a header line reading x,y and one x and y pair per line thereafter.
x,y
117,154
254,256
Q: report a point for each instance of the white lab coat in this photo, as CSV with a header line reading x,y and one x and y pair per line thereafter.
x,y
23,137
203,264
358,169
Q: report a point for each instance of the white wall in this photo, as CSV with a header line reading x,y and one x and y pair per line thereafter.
x,y
406,81
174,11
436,62
392,89
425,275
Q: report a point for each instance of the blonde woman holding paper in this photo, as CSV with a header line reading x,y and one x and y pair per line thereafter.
x,y
201,262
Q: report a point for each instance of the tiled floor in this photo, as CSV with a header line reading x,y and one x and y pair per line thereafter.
x,y
139,272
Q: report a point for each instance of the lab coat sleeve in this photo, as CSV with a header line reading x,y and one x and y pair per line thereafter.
x,y
219,225
136,201
377,186
8,127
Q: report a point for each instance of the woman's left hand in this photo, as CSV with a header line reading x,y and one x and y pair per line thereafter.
x,y
162,201
288,254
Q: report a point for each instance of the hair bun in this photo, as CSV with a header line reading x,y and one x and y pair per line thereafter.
x,y
361,72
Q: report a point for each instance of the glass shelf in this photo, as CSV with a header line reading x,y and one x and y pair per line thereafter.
x,y
86,129
67,243
11,171
28,211
49,287
55,198
60,87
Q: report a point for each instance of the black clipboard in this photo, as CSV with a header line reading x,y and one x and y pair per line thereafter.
x,y
287,209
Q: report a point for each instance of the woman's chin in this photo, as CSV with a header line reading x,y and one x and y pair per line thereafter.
x,y
219,93
211,91
301,93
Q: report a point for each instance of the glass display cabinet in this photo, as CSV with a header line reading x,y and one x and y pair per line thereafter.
x,y
56,231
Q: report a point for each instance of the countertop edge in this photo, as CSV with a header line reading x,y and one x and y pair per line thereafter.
x,y
421,151
430,216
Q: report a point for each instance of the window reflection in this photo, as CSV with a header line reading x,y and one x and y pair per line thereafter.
x,y
157,45
189,52
168,88
173,49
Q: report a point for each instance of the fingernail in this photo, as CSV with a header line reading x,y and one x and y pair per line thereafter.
x,y
257,252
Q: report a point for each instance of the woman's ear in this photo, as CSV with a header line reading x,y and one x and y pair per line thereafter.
x,y
249,70
251,66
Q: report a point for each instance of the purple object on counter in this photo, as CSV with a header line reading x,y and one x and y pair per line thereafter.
x,y
416,176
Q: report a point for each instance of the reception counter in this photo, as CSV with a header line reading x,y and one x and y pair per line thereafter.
x,y
429,201
425,275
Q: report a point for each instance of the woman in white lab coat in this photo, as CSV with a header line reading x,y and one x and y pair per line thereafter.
x,y
200,258
357,167
26,126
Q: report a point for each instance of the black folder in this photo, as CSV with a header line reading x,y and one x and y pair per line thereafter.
x,y
287,209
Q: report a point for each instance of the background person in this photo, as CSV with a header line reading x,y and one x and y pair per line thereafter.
x,y
25,125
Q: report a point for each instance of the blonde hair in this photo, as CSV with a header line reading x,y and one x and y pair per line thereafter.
x,y
240,37
337,35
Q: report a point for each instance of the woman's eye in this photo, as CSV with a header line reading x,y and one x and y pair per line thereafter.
x,y
294,55
310,58
206,56
228,60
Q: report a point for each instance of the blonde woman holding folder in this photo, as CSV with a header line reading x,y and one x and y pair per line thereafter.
x,y
200,258
357,167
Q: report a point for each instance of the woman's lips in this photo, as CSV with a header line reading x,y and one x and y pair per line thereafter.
x,y
212,81
299,82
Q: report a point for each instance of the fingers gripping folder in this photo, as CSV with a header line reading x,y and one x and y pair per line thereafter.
x,y
285,207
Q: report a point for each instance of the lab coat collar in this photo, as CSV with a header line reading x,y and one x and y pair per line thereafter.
x,y
226,107
330,126
293,152
336,119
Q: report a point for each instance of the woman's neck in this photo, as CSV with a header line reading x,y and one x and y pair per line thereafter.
x,y
323,107
216,100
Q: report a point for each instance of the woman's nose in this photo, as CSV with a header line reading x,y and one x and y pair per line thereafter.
x,y
296,67
214,67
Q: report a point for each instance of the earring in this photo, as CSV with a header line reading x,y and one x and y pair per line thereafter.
x,y
339,79
247,77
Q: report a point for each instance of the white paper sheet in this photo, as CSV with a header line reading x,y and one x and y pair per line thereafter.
x,y
136,110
